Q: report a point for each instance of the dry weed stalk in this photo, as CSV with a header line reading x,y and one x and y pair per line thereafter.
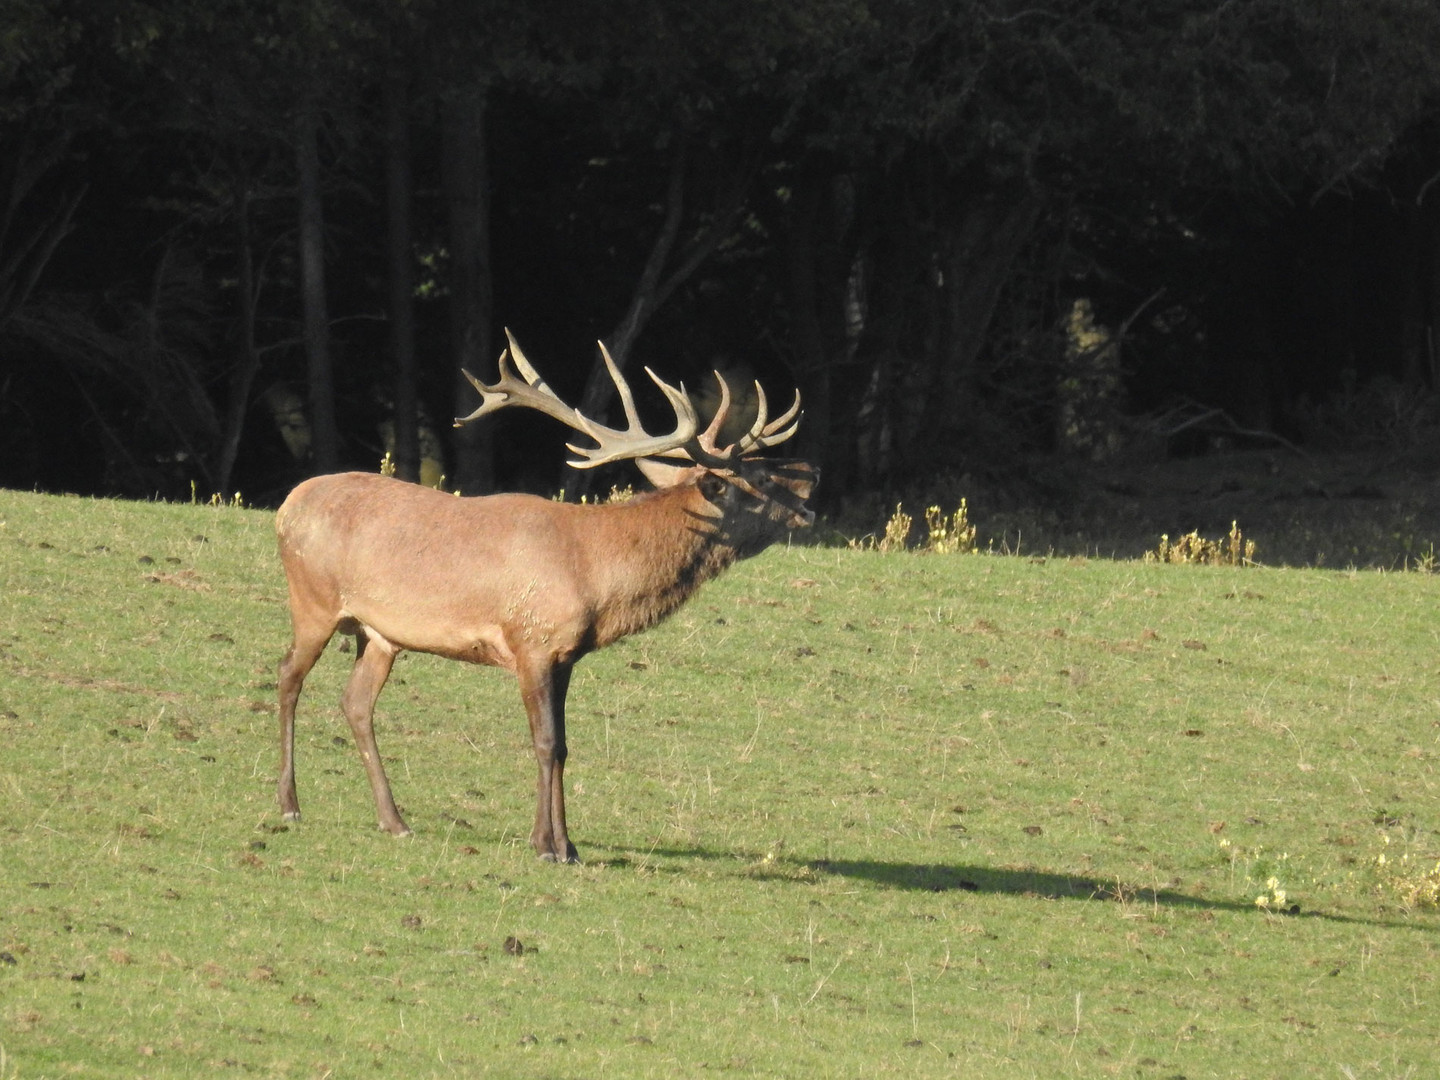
x,y
1196,550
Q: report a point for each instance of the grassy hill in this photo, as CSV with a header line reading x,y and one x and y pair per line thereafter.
x,y
846,814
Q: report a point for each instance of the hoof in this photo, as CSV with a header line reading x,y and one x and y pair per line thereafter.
x,y
550,856
291,815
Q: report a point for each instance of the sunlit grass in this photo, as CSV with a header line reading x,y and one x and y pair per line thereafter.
x,y
848,813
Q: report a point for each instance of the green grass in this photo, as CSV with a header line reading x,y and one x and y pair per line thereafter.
x,y
846,814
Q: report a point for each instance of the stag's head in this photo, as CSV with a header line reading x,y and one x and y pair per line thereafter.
x,y
749,497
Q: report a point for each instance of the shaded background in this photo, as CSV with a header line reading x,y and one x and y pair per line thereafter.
x,y
245,242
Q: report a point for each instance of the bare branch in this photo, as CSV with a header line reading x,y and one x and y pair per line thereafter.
x,y
15,285
1425,188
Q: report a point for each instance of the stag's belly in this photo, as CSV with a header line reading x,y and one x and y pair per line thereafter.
x,y
475,644
458,632
483,648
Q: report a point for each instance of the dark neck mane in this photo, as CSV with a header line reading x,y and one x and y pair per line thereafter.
x,y
661,547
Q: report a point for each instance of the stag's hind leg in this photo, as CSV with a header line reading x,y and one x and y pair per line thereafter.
x,y
373,660
309,642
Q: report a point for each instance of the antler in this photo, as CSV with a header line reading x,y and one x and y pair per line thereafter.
x,y
763,433
613,444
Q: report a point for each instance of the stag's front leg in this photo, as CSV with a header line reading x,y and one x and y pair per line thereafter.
x,y
543,687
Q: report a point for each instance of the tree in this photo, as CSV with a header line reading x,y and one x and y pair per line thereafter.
x,y
399,196
466,186
980,142
893,204
325,434
37,132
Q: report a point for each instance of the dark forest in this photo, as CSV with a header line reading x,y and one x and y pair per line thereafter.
x,y
246,242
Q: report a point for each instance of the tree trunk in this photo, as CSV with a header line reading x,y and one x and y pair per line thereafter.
x,y
247,358
890,293
325,436
655,286
644,300
27,244
818,264
1430,349
978,257
978,265
1419,258
399,188
807,335
467,197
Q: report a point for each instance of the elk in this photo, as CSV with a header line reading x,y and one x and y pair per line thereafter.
x,y
520,582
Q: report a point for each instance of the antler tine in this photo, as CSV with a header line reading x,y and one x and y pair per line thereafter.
x,y
722,411
523,363
763,432
634,442
762,410
511,390
627,399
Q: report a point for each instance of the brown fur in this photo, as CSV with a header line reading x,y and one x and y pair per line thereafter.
x,y
512,581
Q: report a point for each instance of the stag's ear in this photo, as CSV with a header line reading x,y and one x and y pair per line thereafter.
x,y
711,486
797,477
664,475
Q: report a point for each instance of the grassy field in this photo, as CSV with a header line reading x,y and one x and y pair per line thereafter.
x,y
847,814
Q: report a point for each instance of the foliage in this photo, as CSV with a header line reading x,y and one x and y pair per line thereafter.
x,y
1197,550
897,531
953,535
896,536
892,206
1382,415
944,535
1415,881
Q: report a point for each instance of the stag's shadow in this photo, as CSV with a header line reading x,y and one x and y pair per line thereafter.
x,y
950,878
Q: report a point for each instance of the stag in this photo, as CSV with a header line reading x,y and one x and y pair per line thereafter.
x,y
520,582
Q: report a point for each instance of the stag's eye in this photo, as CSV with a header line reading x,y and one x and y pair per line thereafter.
x,y
712,487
